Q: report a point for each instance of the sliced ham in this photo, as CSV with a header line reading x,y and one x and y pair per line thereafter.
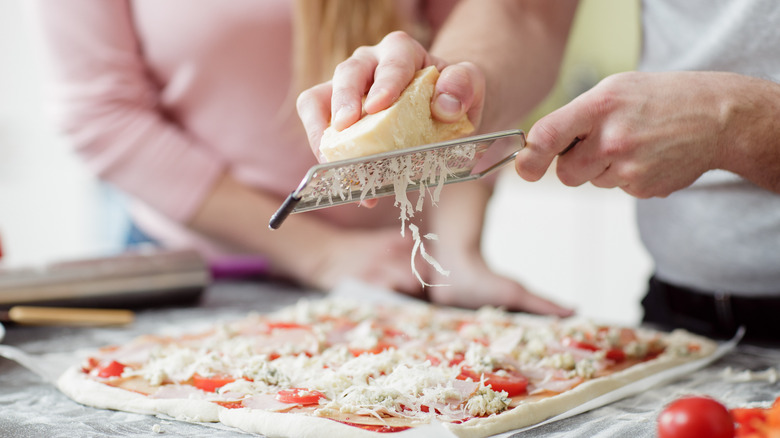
x,y
554,385
267,402
179,391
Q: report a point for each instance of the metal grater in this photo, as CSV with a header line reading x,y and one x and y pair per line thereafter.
x,y
427,167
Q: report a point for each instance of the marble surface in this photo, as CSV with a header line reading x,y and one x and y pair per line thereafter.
x,y
30,406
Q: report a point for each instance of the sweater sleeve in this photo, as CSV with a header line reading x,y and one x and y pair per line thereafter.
x,y
107,105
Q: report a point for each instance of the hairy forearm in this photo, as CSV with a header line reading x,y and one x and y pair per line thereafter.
x,y
750,144
518,45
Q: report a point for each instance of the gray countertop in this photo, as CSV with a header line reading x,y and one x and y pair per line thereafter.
x,y
32,407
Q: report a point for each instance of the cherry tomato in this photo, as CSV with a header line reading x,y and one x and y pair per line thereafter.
x,y
210,384
692,417
112,369
300,396
512,382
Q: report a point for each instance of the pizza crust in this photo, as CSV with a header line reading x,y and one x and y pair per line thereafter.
x,y
535,412
76,385
81,389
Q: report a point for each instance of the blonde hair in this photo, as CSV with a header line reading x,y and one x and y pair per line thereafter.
x,y
326,32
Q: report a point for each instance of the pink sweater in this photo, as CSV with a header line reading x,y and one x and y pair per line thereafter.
x,y
160,97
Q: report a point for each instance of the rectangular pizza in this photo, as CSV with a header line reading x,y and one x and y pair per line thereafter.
x,y
337,367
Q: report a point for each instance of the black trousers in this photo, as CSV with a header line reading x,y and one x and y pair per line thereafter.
x,y
714,314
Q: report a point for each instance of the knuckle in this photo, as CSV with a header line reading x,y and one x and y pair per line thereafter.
x,y
458,82
301,102
398,37
630,173
352,63
546,136
615,144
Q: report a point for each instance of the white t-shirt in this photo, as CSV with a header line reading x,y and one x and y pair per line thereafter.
x,y
722,233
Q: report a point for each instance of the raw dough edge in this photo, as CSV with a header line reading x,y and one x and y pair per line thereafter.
x,y
536,412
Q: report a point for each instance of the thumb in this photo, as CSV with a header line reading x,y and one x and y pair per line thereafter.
x,y
552,135
460,90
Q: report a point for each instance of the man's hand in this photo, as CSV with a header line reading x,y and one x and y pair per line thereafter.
x,y
652,134
648,133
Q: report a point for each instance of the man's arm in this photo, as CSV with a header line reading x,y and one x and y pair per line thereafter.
x,y
517,45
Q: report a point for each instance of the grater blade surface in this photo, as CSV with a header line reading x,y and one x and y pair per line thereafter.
x,y
421,168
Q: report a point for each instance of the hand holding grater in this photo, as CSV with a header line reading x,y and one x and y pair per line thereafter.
x,y
421,168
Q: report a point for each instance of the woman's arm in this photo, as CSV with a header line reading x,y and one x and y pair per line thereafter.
x,y
107,105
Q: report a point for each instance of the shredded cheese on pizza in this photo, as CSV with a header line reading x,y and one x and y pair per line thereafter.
x,y
377,364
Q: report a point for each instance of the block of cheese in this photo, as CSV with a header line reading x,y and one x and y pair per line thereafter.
x,y
404,124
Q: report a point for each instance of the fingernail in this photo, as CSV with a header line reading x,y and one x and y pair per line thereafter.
x,y
375,94
447,106
341,117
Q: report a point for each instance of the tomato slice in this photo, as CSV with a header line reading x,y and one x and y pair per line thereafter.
x,y
300,396
210,384
90,364
570,342
286,325
773,415
435,361
230,404
616,354
380,347
757,422
512,382
112,369
748,420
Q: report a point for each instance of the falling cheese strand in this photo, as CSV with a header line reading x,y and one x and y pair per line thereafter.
x,y
419,246
428,169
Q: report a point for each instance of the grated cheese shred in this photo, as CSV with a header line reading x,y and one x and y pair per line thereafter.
x,y
429,170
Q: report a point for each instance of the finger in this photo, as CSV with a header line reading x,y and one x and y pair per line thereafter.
x,y
529,302
369,203
459,90
400,56
314,111
382,71
583,163
607,180
552,135
350,81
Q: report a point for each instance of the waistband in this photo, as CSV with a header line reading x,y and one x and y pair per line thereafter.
x,y
716,314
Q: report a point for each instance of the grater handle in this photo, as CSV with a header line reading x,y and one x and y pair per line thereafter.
x,y
287,207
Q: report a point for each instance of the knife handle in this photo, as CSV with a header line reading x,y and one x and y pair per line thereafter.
x,y
69,316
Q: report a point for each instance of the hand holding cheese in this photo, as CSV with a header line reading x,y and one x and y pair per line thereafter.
x,y
406,123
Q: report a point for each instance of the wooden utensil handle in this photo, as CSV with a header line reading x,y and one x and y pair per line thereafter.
x,y
69,316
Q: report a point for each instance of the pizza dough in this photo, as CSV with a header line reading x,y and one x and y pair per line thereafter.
x,y
367,370
404,124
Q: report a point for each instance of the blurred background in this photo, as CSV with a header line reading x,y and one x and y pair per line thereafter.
x,y
577,245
